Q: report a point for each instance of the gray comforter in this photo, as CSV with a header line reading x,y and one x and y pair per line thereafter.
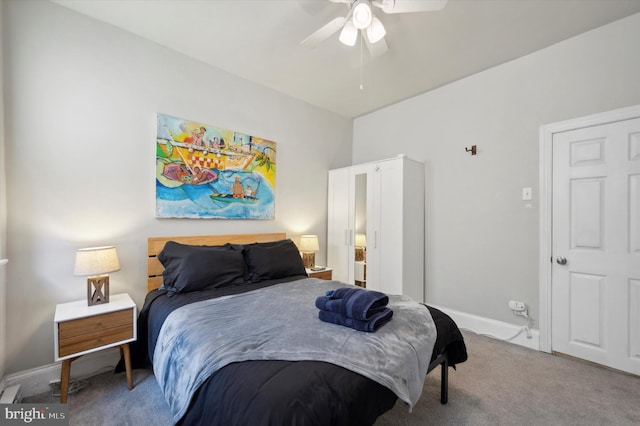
x,y
281,322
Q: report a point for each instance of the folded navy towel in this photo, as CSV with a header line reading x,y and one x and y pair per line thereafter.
x,y
356,303
376,321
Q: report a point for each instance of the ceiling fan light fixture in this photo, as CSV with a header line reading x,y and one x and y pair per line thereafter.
x,y
362,14
375,31
349,34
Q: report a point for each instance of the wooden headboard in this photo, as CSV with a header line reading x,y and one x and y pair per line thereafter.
x,y
156,244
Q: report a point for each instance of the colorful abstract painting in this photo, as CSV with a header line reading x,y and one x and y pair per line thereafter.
x,y
203,171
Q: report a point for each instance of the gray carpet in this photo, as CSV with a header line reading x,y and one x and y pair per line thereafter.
x,y
500,384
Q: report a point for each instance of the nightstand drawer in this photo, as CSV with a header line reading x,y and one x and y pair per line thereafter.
x,y
323,275
86,325
95,339
92,332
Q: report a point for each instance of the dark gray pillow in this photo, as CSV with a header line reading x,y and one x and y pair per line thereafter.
x,y
192,268
277,259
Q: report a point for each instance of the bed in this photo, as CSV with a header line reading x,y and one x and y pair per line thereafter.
x,y
334,387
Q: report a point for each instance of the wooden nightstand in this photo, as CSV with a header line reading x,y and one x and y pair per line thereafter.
x,y
325,274
80,329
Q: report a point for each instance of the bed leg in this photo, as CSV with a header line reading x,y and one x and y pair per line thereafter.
x,y
444,381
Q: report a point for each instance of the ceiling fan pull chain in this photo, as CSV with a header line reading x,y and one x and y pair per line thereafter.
x,y
361,63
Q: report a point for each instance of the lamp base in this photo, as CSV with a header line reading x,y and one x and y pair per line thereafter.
x,y
97,290
309,259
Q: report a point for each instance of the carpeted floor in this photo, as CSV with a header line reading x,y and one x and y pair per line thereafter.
x,y
500,384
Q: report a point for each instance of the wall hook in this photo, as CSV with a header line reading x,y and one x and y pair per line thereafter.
x,y
473,150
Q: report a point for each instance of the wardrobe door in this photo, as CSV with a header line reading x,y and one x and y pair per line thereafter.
x,y
338,229
385,261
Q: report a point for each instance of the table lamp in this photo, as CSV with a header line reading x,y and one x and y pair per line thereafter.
x,y
96,263
308,246
360,244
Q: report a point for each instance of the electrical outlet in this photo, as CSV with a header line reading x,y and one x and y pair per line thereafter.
x,y
517,306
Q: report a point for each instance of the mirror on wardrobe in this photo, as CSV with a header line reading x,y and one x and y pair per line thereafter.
x,y
360,235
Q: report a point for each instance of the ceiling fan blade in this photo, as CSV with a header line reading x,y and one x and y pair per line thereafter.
x,y
376,49
408,6
325,32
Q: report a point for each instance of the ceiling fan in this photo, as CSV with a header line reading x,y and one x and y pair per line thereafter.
x,y
361,18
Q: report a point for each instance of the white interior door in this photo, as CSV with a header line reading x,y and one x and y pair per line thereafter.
x,y
596,244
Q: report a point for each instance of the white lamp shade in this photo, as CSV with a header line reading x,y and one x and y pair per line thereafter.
x,y
96,261
309,243
361,240
362,14
349,34
375,31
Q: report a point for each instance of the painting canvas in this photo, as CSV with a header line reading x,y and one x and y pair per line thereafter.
x,y
203,171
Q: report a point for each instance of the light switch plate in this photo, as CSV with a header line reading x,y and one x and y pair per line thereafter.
x,y
526,194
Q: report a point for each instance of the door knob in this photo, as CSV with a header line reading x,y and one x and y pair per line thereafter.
x,y
561,260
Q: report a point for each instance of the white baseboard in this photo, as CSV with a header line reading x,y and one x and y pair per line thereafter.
x,y
36,380
493,328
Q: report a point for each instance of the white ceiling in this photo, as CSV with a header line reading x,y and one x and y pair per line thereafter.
x,y
259,41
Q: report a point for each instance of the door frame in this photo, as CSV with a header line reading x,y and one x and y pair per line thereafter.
x,y
545,258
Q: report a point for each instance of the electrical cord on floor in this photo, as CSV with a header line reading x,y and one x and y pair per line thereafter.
x,y
77,384
526,328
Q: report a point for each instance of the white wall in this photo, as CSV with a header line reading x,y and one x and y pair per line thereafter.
x,y
481,238
3,219
80,119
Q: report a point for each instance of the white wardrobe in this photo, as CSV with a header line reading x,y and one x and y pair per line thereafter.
x,y
383,200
